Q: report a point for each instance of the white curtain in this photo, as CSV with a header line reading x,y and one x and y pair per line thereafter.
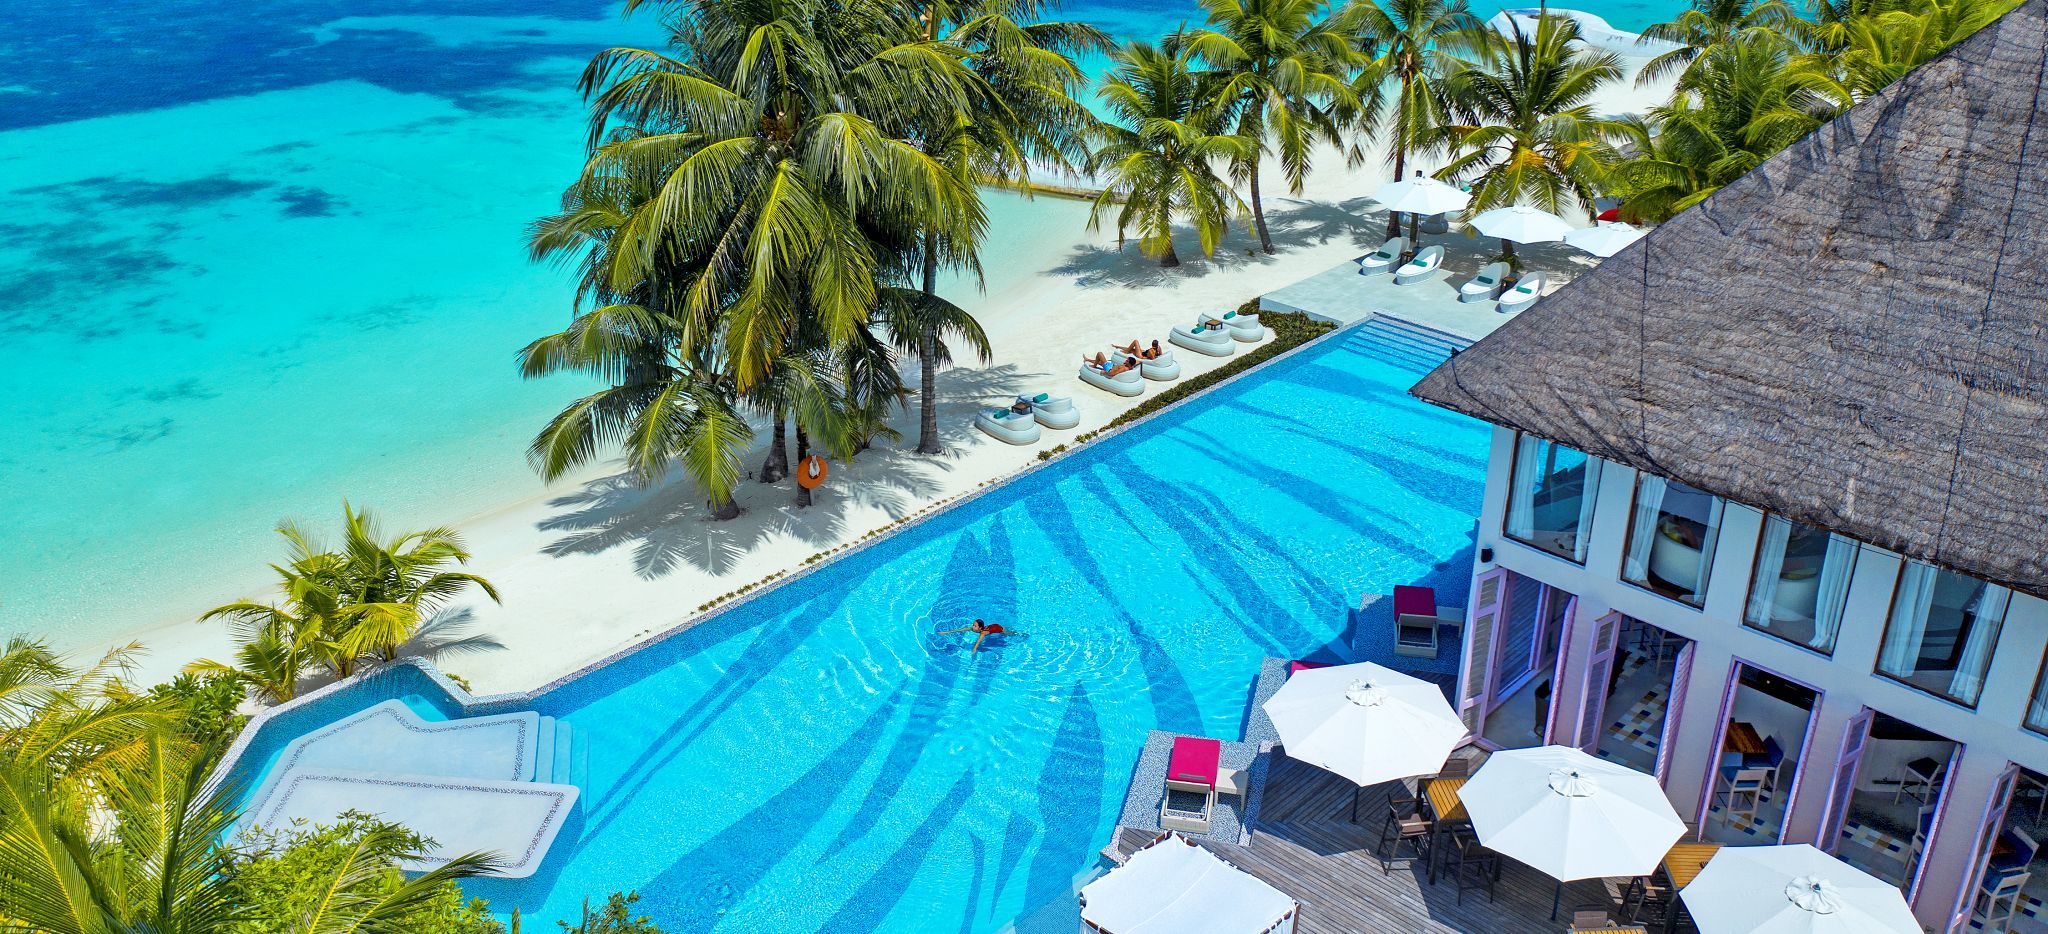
x,y
1522,487
1642,534
1707,542
1590,495
1901,652
1986,611
1770,566
1835,569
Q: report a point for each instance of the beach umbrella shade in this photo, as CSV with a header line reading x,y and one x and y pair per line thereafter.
x,y
1569,815
1792,890
1605,239
1418,196
1366,722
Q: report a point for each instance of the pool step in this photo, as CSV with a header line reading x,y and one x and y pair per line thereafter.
x,y
1407,343
544,750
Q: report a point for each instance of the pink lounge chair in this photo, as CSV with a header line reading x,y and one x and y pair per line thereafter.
x,y
1194,762
1415,621
1192,769
1299,666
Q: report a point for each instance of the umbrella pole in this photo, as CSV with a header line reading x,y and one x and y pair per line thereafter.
x,y
1556,895
1354,804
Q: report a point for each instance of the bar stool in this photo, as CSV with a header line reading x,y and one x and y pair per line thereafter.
x,y
1404,824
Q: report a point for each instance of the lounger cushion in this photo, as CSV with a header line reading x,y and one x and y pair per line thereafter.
x,y
1194,759
1414,601
1295,666
1042,397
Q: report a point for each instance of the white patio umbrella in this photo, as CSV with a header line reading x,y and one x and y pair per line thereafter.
x,y
1522,224
1793,890
1366,722
1605,239
1173,886
1418,196
1569,815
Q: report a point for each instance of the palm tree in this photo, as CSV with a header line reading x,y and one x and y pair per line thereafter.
x,y
1739,104
1708,24
1868,52
1524,130
1020,108
1281,70
371,599
144,851
1158,157
1416,44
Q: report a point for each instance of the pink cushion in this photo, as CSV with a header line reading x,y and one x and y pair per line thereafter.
x,y
1414,601
1194,760
1293,667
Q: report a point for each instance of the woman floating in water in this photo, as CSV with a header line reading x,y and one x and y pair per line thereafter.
x,y
981,631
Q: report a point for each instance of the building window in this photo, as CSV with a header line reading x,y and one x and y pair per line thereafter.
x,y
1671,536
1801,583
1942,631
1550,498
2037,710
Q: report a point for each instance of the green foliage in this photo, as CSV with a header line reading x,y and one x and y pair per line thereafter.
x,y
369,599
1414,44
615,918
286,878
205,704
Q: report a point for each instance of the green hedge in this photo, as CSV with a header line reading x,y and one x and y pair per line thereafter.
x,y
1290,330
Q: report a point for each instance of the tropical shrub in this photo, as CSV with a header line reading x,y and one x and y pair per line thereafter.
x,y
370,599
285,878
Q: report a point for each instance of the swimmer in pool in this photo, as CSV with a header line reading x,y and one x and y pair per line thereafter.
x,y
981,631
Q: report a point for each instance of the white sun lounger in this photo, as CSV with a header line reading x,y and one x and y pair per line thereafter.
x,y
1127,383
1005,425
1485,285
1423,266
1384,258
1216,342
1162,368
1053,411
1524,294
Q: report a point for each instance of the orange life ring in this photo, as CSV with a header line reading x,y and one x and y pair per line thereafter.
x,y
811,473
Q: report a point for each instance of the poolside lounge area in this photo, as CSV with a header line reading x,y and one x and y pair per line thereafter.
x,y
1306,846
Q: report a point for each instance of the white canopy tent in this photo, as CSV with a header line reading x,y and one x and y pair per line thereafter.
x,y
1174,886
1366,722
1793,890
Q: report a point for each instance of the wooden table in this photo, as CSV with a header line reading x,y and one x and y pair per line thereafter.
x,y
1684,862
1743,738
1442,794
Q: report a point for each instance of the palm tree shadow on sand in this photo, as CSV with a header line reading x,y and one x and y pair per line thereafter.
x,y
667,526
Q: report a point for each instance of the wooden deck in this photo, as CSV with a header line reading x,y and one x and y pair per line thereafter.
x,y
1306,845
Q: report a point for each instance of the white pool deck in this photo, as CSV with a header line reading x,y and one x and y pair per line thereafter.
x,y
1340,295
478,784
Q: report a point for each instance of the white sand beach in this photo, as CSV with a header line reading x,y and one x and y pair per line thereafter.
x,y
594,565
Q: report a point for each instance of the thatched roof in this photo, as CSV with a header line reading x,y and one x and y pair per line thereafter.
x,y
1855,335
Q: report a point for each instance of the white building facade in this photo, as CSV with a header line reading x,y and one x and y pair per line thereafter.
x,y
1786,685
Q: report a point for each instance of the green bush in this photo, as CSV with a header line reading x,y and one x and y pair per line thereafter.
x,y
206,704
281,876
616,918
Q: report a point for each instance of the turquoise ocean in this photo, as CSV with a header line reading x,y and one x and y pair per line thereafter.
x,y
256,258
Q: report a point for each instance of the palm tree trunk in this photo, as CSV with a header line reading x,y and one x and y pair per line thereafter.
x,y
928,360
1170,259
1400,172
1507,252
803,453
1259,212
722,510
776,466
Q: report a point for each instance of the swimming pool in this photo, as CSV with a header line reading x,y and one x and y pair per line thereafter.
x,y
816,759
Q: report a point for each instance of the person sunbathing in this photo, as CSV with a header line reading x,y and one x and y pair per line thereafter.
x,y
1153,352
1130,348
1129,364
1100,361
981,631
